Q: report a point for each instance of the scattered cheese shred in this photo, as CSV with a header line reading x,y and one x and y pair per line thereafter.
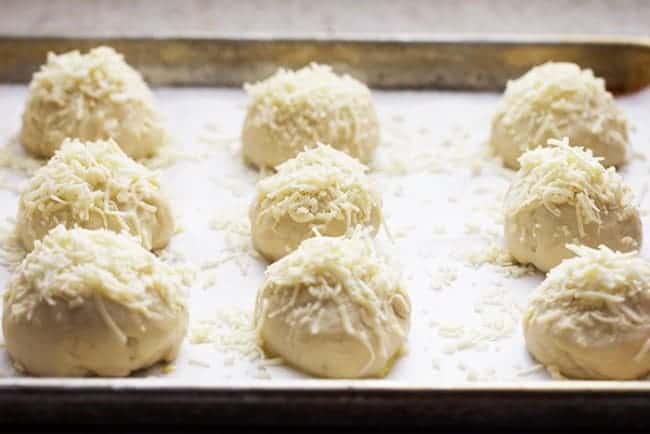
x,y
231,331
12,252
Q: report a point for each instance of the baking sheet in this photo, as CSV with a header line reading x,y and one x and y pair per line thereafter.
x,y
442,198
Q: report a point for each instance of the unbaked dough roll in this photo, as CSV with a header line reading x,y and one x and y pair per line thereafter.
x,y
563,195
334,308
90,96
92,303
559,100
590,318
95,185
294,110
322,190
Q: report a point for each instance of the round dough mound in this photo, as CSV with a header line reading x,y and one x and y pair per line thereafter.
x,y
94,185
334,308
90,96
590,318
92,303
559,100
321,190
563,195
294,110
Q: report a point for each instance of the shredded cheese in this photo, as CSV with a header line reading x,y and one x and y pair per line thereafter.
x,y
597,288
299,108
344,271
78,265
318,186
12,252
550,100
87,183
90,96
563,174
231,331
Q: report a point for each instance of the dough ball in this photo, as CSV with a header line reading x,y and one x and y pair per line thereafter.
x,y
294,110
92,303
561,195
590,318
334,308
94,185
321,190
559,100
90,96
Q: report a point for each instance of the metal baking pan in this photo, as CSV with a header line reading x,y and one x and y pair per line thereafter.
x,y
419,63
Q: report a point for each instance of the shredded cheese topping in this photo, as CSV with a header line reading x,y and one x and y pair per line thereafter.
x,y
75,266
86,181
345,271
102,72
301,107
597,287
91,96
566,175
318,186
551,97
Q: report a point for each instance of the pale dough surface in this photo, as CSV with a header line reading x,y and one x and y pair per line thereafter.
x,y
590,319
561,195
92,303
332,318
539,237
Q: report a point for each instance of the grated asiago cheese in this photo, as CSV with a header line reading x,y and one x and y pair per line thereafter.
x,y
498,318
90,96
179,263
299,108
14,158
493,252
77,265
563,174
598,280
556,100
166,157
443,276
91,184
230,331
345,273
318,186
530,371
217,140
402,153
199,363
233,222
12,252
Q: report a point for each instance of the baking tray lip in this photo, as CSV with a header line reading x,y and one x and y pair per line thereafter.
x,y
473,39
324,386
